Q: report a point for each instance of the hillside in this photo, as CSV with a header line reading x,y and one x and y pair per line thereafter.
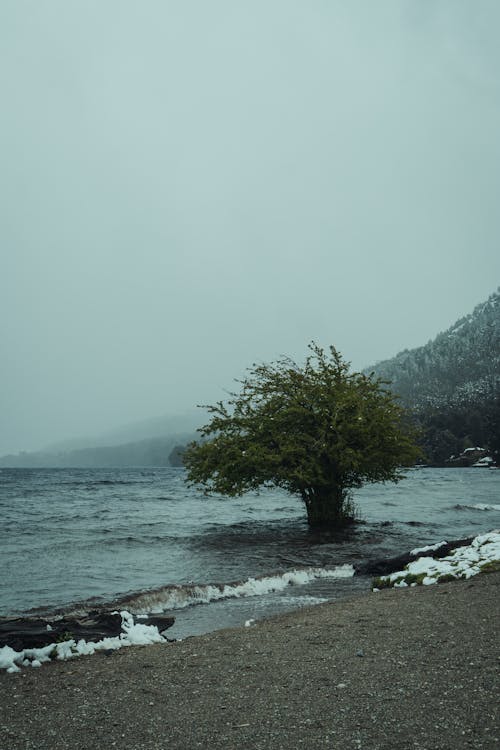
x,y
134,432
460,366
149,442
152,452
452,384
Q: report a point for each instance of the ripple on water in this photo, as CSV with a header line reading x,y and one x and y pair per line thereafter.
x,y
135,531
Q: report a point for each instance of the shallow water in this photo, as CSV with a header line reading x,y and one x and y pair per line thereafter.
x,y
101,534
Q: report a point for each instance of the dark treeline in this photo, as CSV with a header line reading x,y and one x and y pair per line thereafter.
x,y
449,431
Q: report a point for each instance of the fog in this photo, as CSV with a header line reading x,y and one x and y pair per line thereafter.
x,y
190,187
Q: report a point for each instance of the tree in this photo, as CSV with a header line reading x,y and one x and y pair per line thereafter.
x,y
317,431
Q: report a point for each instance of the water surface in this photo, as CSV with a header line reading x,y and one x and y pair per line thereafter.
x,y
100,534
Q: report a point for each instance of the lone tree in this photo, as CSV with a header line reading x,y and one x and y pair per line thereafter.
x,y
317,431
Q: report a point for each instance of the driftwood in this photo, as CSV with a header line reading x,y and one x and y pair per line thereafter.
x,y
162,622
385,566
21,633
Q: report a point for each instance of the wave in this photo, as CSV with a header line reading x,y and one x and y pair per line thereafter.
x,y
182,596
93,485
475,506
114,481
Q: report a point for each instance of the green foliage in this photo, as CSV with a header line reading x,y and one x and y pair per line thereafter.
x,y
385,582
316,431
417,578
411,579
446,578
490,567
382,582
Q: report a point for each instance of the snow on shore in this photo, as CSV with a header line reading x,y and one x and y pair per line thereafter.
x,y
463,562
131,635
172,597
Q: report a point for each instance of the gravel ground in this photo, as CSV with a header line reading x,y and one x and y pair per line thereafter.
x,y
400,669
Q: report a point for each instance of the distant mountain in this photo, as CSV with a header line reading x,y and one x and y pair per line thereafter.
x,y
152,452
155,427
150,442
452,384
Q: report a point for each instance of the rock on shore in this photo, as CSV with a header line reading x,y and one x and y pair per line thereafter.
x,y
26,632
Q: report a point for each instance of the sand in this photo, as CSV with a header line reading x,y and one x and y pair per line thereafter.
x,y
399,669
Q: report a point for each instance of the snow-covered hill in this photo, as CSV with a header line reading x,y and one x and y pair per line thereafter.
x,y
459,367
452,385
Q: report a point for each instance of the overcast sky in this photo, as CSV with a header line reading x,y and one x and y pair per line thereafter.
x,y
189,187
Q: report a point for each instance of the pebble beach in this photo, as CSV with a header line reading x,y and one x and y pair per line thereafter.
x,y
393,670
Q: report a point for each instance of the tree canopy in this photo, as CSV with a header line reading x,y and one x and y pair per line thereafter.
x,y
316,431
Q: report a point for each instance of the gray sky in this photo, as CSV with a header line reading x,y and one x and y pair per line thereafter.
x,y
188,187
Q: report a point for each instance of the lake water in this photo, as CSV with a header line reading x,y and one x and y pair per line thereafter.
x,y
85,537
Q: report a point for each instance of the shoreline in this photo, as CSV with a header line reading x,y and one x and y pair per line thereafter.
x,y
36,640
99,558
411,668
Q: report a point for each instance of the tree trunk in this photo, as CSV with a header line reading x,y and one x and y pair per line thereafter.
x,y
328,508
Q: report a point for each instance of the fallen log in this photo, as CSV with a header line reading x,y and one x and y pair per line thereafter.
x,y
20,633
162,622
385,566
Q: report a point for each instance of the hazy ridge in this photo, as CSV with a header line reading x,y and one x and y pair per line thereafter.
x,y
146,443
152,452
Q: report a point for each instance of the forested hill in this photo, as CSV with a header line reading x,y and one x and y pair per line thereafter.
x,y
460,366
452,384
152,452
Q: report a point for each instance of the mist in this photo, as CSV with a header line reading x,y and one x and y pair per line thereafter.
x,y
188,188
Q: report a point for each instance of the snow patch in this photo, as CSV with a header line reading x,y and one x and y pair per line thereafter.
x,y
132,635
463,562
487,461
429,548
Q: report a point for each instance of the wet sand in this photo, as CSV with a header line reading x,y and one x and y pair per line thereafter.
x,y
407,669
